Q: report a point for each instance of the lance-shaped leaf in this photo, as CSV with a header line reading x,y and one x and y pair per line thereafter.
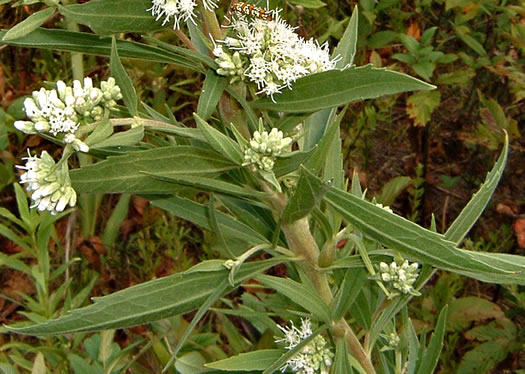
x,y
422,245
219,142
338,87
211,92
347,292
107,17
128,173
307,195
300,294
72,41
470,214
146,302
129,95
29,24
123,138
430,356
257,360
198,214
347,46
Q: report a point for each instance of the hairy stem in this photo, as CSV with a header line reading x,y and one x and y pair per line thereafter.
x,y
302,244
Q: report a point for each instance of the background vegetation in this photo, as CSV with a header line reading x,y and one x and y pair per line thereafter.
x,y
430,150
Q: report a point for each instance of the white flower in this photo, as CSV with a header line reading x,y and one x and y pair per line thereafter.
x,y
401,278
48,183
180,10
61,110
315,357
273,55
265,147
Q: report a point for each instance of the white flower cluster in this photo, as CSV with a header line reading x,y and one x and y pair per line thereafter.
x,y
60,110
180,10
264,147
270,54
313,358
48,183
402,278
386,207
392,341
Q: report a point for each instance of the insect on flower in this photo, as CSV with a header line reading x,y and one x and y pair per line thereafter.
x,y
252,11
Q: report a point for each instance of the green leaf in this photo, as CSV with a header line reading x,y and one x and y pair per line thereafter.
x,y
310,4
431,356
107,17
482,358
124,138
473,43
219,142
470,214
127,173
347,292
341,363
211,185
198,214
129,94
257,360
299,293
144,303
465,310
421,105
422,245
381,39
392,189
338,87
286,165
103,130
39,365
29,24
307,195
72,41
347,46
190,363
211,92
7,369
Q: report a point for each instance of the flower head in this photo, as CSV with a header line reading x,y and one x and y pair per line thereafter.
x,y
315,357
270,54
179,10
48,183
61,111
401,278
265,147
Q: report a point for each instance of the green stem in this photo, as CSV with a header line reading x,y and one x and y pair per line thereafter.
x,y
302,244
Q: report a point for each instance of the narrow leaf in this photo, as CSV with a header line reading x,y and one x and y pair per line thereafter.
x,y
419,244
107,17
127,173
29,24
257,360
307,196
212,90
198,214
470,214
220,142
72,41
144,303
338,87
347,293
347,46
123,80
124,138
299,293
431,355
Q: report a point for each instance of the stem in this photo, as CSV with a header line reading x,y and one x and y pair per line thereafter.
x,y
302,244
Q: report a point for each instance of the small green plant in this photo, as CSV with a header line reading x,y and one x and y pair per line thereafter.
x,y
266,152
420,55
